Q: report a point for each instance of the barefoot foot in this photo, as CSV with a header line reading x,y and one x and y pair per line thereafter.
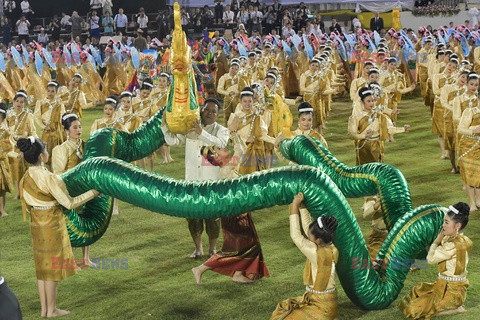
x,y
57,313
3,214
197,273
460,309
239,277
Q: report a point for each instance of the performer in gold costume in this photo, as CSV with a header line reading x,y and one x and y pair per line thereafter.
x,y
314,239
48,113
44,195
450,250
21,124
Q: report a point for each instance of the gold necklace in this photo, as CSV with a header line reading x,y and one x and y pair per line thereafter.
x,y
77,147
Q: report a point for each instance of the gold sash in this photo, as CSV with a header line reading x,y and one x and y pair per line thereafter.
x,y
54,115
463,245
466,104
73,159
29,185
325,256
382,125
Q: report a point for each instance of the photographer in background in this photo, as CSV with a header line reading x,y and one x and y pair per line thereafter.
x,y
76,22
94,22
55,27
23,26
142,21
65,22
162,24
107,23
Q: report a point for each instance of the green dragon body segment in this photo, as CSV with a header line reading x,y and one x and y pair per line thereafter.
x,y
367,287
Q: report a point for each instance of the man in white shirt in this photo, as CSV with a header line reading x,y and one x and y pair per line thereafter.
x,y
26,9
256,18
22,26
107,6
288,31
65,22
42,37
228,16
95,4
184,19
120,22
9,9
208,133
142,21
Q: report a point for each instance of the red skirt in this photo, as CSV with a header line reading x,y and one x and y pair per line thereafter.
x,y
241,250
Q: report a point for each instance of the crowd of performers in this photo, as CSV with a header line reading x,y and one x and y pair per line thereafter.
x,y
253,78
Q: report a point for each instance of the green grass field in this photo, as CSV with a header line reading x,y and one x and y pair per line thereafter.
x,y
158,283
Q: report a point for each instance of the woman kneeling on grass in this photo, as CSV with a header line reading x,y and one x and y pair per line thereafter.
x,y
450,250
44,194
320,298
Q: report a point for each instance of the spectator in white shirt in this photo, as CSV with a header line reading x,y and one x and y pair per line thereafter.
x,y
65,22
22,26
356,23
94,21
142,21
42,37
185,19
242,16
288,31
26,9
256,18
228,16
107,6
9,9
120,22
95,4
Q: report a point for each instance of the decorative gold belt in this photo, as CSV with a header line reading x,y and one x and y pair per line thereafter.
x,y
319,292
472,137
455,279
43,208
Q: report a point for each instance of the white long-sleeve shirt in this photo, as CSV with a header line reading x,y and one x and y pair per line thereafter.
x,y
196,168
25,6
142,22
228,17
